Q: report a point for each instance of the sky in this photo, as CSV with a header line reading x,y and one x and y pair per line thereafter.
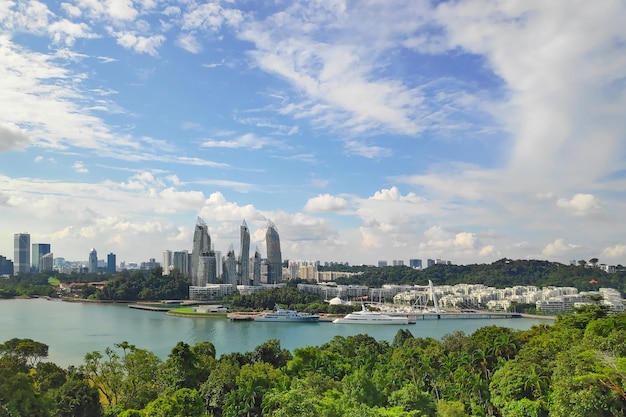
x,y
367,130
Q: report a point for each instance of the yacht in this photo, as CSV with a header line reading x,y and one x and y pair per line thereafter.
x,y
283,315
366,316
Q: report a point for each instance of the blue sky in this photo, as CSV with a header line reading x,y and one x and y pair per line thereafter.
x,y
365,130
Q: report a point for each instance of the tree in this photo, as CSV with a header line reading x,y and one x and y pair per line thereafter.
x,y
183,402
593,262
26,352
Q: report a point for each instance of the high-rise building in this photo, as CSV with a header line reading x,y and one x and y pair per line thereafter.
x,y
230,267
244,254
180,261
201,247
167,261
21,247
111,263
46,262
6,266
274,257
207,268
382,264
415,263
256,268
38,250
430,262
93,261
398,262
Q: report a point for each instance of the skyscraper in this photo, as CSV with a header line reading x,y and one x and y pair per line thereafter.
x,y
93,261
111,263
230,267
38,250
21,248
256,268
206,273
201,247
180,261
167,261
46,262
244,254
274,257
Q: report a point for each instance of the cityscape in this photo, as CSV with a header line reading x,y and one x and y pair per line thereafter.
x,y
213,275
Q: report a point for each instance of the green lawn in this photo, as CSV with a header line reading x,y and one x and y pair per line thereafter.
x,y
188,311
54,282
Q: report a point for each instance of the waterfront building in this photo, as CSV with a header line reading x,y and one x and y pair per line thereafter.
x,y
210,292
38,250
167,262
244,254
46,262
111,265
201,248
92,266
230,267
274,257
21,248
180,261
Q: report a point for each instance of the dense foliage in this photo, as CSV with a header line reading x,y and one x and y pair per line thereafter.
x,y
27,285
287,297
574,368
502,273
145,285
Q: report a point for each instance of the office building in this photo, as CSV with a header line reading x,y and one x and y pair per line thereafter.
x,y
167,262
274,257
382,264
415,263
111,263
244,254
46,262
21,257
398,262
430,262
92,266
6,266
201,247
38,250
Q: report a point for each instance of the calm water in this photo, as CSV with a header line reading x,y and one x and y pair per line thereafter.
x,y
73,329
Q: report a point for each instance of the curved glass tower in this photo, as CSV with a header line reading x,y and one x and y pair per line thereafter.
x,y
274,257
201,248
244,254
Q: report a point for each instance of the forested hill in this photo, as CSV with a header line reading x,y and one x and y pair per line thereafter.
x,y
500,274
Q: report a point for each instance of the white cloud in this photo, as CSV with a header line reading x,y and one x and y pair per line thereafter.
x,y
80,167
581,204
325,202
65,32
189,42
612,252
11,137
559,247
142,44
246,141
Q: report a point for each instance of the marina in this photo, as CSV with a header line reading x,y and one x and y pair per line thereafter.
x,y
283,315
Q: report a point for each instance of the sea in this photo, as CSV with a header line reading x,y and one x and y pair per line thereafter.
x,y
73,329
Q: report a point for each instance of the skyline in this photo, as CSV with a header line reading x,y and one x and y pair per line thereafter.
x,y
468,131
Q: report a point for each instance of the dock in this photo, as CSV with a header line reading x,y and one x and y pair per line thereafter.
x,y
148,307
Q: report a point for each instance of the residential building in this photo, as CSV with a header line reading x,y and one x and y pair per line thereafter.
x,y
244,254
180,261
274,257
415,263
6,266
46,262
382,264
397,262
167,262
201,248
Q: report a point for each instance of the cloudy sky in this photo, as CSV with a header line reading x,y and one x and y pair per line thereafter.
x,y
365,130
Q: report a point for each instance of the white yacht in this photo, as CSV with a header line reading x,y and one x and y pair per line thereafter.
x,y
366,316
283,315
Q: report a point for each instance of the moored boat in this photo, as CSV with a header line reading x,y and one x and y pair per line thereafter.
x,y
366,316
284,315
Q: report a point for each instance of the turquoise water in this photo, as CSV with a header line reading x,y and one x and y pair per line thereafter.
x,y
73,329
